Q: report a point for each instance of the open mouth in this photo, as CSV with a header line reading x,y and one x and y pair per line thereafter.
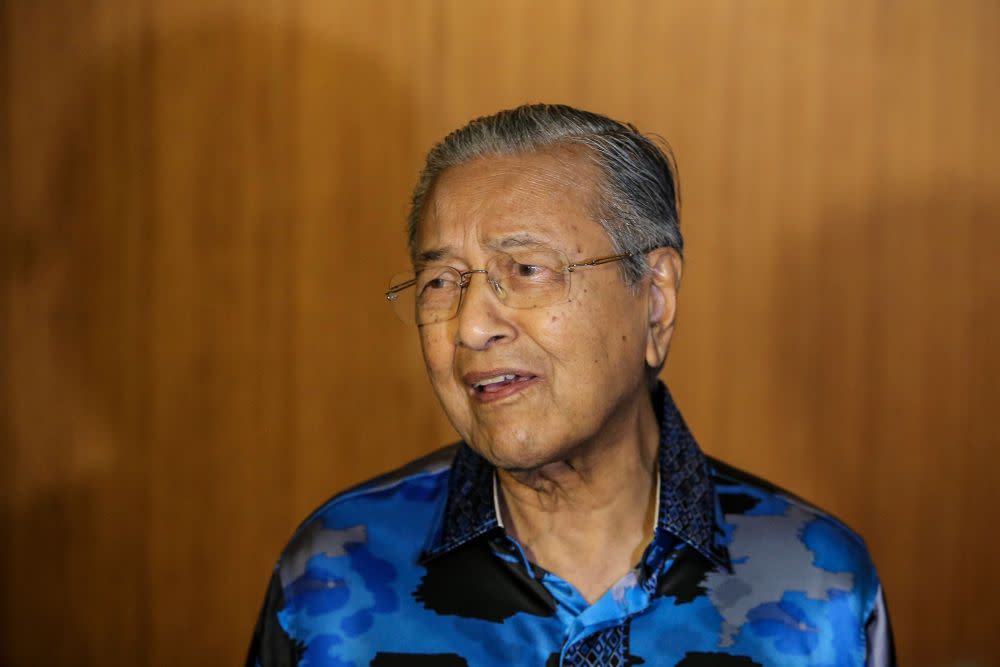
x,y
498,382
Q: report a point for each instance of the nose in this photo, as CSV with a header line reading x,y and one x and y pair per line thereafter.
x,y
482,318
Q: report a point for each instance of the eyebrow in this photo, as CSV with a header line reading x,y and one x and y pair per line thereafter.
x,y
504,243
432,255
516,241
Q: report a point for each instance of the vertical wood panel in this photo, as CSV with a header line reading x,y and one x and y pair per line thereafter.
x,y
202,202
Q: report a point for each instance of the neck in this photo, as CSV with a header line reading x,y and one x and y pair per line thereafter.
x,y
589,517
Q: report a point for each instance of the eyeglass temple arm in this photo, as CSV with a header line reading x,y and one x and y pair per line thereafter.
x,y
391,292
600,260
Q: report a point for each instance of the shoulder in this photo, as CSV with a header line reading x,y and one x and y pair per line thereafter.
x,y
779,541
398,508
350,562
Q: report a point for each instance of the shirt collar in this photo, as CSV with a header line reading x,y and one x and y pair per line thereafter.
x,y
688,508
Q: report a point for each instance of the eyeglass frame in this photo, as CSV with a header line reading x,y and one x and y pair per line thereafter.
x,y
464,281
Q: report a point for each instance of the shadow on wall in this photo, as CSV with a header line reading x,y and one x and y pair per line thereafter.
x,y
180,216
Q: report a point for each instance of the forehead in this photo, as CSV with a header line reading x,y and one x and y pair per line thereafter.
x,y
549,197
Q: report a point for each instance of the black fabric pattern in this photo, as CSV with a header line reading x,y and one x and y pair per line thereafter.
x,y
737,503
472,583
684,580
270,644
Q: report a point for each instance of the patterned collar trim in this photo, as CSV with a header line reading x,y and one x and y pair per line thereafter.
x,y
469,510
688,507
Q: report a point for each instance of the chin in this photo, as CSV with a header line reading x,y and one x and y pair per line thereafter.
x,y
522,452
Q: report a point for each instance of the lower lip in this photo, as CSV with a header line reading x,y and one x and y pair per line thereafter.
x,y
504,392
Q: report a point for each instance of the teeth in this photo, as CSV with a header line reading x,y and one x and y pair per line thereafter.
x,y
494,380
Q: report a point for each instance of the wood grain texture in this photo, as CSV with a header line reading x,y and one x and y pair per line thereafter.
x,y
202,201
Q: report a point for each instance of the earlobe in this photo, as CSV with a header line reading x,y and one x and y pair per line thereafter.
x,y
664,281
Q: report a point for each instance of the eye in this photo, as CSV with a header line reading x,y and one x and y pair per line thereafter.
x,y
528,270
436,280
532,273
436,283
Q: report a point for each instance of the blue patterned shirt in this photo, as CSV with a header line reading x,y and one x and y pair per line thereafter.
x,y
415,568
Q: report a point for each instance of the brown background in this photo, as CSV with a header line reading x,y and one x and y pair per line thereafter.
x,y
202,201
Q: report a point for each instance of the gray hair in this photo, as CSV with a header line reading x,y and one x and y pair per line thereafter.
x,y
637,202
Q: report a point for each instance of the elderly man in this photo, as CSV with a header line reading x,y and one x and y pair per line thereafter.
x,y
577,523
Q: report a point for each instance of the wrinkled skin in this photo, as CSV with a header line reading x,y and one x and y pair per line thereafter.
x,y
589,354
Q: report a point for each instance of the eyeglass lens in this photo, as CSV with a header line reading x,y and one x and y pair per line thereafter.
x,y
528,279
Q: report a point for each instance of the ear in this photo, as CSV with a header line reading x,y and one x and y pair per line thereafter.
x,y
664,282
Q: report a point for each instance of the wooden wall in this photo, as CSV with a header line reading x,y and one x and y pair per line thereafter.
x,y
202,201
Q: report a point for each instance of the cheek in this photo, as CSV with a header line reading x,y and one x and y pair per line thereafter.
x,y
573,344
590,333
556,334
437,351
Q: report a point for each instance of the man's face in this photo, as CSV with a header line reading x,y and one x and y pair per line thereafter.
x,y
579,365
